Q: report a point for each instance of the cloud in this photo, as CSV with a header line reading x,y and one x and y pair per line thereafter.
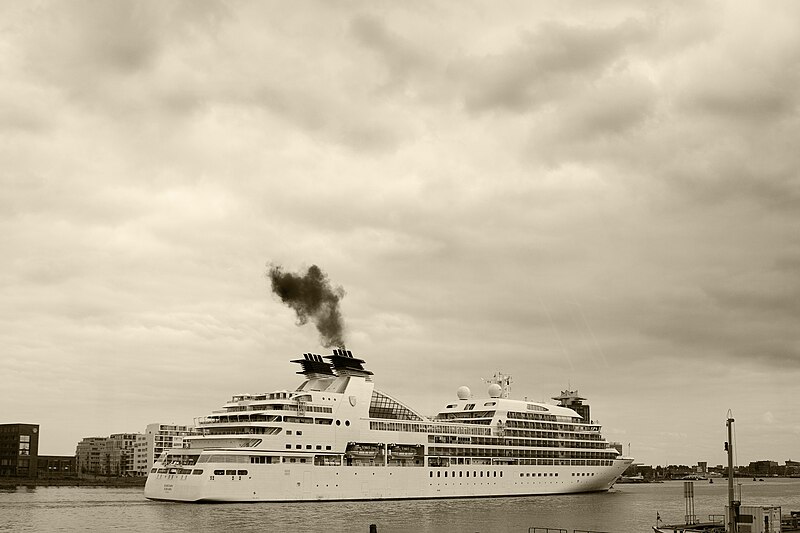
x,y
561,191
554,59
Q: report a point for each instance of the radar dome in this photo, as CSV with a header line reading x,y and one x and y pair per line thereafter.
x,y
495,390
463,392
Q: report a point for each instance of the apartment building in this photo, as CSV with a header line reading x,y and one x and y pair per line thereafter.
x,y
162,437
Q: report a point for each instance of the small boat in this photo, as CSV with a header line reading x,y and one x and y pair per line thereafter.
x,y
403,452
362,451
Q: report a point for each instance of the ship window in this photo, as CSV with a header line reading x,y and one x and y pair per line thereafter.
x,y
219,472
319,447
488,404
230,472
451,406
327,447
338,422
298,446
431,473
481,473
288,446
308,446
382,406
469,407
438,473
241,472
153,471
299,433
288,431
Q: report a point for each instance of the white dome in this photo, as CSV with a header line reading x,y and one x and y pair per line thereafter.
x,y
495,390
463,392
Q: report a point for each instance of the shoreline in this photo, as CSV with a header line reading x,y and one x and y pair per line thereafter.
x,y
133,482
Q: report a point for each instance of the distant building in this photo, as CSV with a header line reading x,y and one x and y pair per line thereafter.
x,y
124,453
763,468
109,456
702,468
19,449
140,455
571,399
90,454
57,466
161,437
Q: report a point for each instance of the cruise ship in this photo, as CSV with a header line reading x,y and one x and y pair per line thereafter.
x,y
337,437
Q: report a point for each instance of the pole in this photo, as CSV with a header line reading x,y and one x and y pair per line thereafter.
x,y
731,514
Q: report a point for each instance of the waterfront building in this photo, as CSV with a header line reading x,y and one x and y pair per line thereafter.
x,y
763,468
571,400
122,454
19,449
162,437
56,466
114,455
89,455
140,454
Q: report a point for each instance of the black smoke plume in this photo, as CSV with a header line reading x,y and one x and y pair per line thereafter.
x,y
311,296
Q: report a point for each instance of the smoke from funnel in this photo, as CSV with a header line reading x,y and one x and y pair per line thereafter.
x,y
311,297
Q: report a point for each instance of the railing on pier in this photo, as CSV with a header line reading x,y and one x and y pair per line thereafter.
x,y
559,530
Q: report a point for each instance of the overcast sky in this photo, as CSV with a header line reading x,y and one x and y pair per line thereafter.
x,y
597,196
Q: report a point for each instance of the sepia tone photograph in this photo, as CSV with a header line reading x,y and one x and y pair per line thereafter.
x,y
387,267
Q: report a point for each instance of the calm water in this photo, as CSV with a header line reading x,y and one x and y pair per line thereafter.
x,y
625,509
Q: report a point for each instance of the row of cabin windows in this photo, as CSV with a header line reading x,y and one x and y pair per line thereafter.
x,y
525,442
428,428
181,471
519,453
475,473
572,428
308,447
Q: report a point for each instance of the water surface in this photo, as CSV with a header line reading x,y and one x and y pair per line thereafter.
x,y
624,509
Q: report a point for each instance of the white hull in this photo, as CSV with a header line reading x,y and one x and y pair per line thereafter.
x,y
287,483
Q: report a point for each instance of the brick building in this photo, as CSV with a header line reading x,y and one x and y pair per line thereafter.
x,y
19,449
